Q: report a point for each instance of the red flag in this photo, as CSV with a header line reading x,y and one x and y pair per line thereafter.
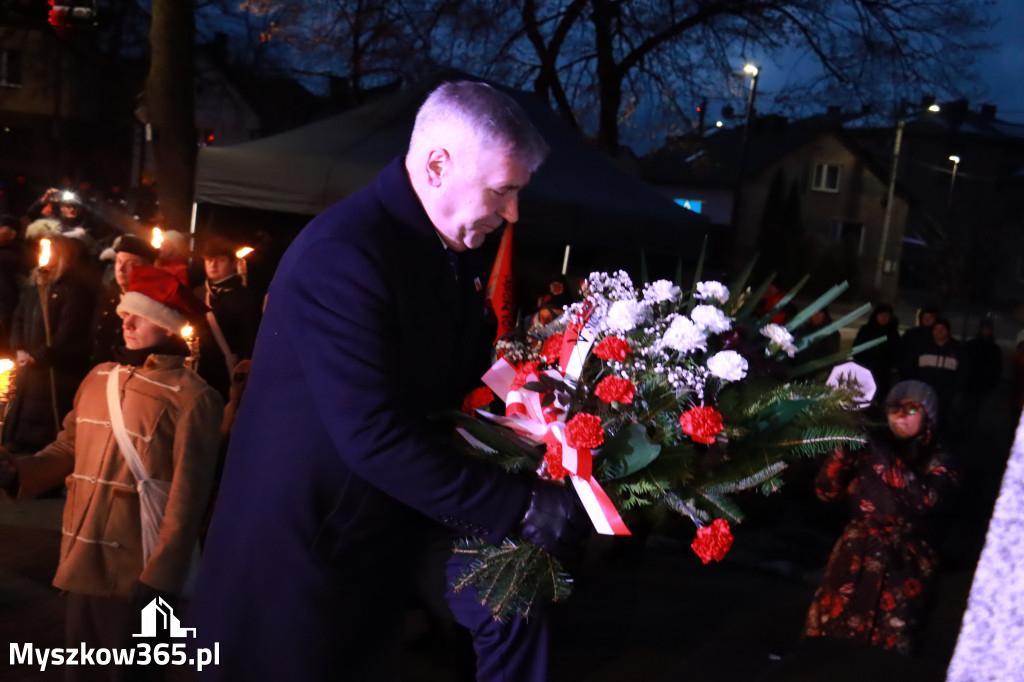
x,y
499,285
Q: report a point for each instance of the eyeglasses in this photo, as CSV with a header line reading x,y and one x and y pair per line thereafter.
x,y
905,409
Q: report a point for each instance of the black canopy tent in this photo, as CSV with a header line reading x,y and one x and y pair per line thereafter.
x,y
578,197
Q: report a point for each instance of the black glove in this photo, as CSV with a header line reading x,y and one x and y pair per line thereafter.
x,y
555,521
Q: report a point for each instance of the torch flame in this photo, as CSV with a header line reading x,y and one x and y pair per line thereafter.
x,y
187,331
158,238
44,254
243,252
6,365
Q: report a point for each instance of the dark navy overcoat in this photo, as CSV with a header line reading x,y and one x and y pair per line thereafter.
x,y
333,470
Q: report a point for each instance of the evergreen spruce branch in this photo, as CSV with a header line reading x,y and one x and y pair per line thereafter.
x,y
825,440
723,505
733,485
816,305
686,508
781,303
508,450
738,285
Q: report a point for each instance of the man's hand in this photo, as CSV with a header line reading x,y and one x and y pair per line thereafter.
x,y
24,359
555,521
8,473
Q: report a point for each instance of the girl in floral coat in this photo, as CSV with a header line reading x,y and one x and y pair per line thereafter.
x,y
876,584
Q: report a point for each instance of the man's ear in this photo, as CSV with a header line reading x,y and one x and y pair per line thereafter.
x,y
437,166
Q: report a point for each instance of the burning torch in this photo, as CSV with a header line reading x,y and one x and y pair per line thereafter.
x,y
43,287
188,334
243,269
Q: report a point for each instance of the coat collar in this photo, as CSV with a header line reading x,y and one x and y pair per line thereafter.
x,y
400,200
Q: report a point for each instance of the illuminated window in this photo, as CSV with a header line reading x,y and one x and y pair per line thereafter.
x,y
826,178
10,69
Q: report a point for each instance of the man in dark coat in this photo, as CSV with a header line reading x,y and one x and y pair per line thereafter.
x,y
228,337
107,335
335,477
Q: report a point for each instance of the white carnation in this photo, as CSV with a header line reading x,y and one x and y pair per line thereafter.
x,y
711,318
662,290
712,290
683,335
728,365
623,315
781,337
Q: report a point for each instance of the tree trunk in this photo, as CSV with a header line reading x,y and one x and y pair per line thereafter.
x,y
171,109
609,79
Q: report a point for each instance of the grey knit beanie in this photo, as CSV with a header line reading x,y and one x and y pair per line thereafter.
x,y
919,392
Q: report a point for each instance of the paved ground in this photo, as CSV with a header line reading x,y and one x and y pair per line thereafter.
x,y
643,610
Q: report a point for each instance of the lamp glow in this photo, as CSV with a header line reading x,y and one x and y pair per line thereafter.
x,y
750,68
718,124
954,158
67,196
935,107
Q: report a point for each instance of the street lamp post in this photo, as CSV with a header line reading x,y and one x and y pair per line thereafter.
x,y
889,195
952,180
736,201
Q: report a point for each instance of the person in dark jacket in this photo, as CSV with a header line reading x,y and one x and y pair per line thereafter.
x,y
49,365
107,335
916,338
939,364
881,359
983,364
227,338
336,480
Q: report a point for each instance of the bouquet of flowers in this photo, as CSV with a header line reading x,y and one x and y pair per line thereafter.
x,y
650,400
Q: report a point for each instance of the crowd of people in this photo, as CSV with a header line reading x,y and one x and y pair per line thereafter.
x,y
335,494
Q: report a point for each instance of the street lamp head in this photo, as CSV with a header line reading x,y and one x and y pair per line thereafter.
x,y
934,108
718,124
954,158
751,69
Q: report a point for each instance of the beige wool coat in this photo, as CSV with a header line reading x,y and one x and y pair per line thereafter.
x,y
173,418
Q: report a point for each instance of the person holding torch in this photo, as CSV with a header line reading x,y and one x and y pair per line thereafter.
x,y
50,337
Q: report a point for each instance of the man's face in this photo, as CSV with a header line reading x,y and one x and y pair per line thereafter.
x,y
940,334
123,264
883,318
141,333
927,319
219,267
479,191
68,212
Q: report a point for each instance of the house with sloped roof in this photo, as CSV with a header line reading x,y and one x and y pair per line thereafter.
x,y
804,195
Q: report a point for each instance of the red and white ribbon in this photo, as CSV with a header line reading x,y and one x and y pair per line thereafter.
x,y
525,415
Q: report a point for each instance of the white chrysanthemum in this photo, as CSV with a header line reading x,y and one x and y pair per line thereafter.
x,y
712,290
683,335
622,316
711,318
660,291
781,337
728,365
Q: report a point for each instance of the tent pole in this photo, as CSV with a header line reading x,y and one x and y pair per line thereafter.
x,y
565,259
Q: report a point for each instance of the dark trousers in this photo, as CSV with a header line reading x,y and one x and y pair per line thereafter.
x,y
107,623
516,651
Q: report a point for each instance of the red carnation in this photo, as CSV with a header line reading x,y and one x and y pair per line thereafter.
x,y
616,390
523,373
701,424
612,348
553,459
584,431
713,542
477,398
552,349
